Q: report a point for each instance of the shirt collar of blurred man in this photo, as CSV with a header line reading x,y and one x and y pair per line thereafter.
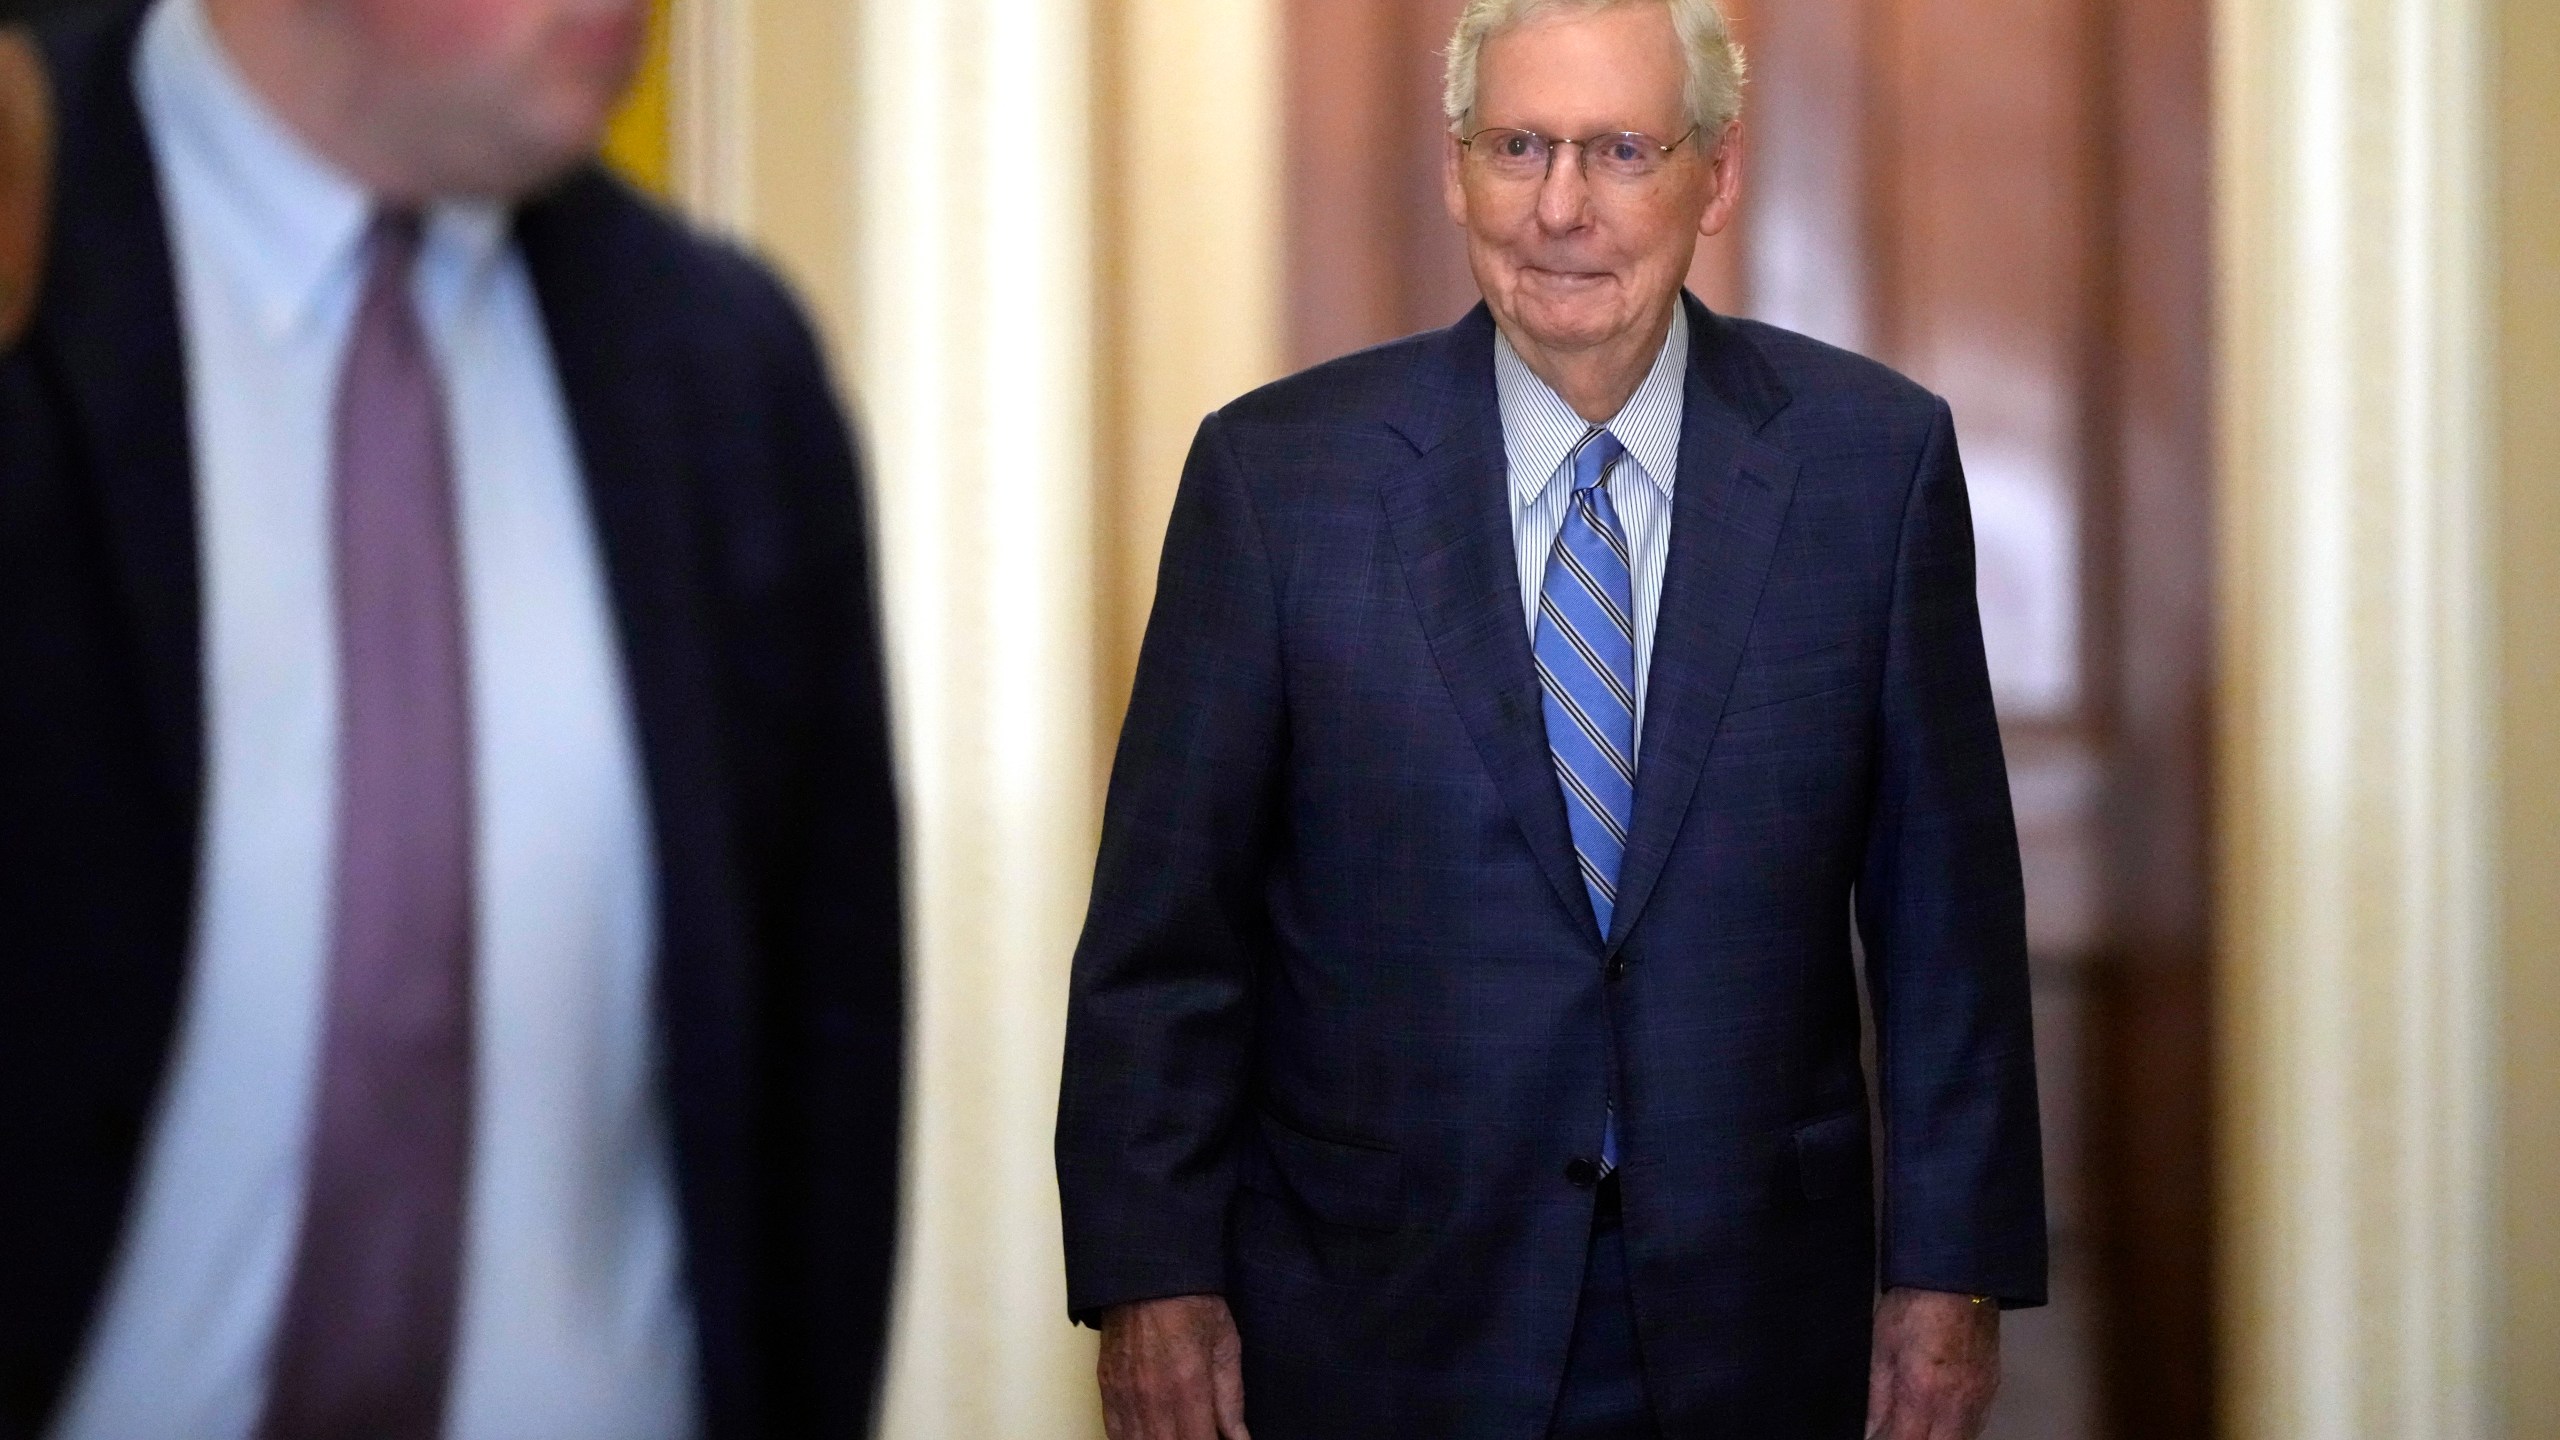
x,y
289,218
425,100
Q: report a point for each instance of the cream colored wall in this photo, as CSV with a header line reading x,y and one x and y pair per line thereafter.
x,y
761,100
1041,240
1191,192
2528,120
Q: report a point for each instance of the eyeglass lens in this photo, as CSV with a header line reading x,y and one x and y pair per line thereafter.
x,y
1626,155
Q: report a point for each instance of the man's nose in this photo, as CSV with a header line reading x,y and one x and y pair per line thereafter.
x,y
1564,196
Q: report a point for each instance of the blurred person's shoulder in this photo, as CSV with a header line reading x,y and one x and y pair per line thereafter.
x,y
602,249
688,345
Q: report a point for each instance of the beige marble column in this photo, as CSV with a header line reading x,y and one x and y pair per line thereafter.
x,y
2360,772
1041,240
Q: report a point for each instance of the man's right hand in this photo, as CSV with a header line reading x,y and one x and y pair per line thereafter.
x,y
1172,1370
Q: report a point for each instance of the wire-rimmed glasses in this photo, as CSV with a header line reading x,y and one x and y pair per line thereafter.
x,y
1624,155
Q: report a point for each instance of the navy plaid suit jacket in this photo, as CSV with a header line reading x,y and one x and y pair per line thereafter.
x,y
1341,1018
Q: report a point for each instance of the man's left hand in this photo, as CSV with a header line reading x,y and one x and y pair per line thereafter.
x,y
1935,1366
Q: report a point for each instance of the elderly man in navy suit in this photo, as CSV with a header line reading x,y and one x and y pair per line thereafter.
x,y
450,977
1465,1035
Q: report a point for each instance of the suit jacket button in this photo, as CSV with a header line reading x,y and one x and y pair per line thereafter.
x,y
1582,1171
1617,967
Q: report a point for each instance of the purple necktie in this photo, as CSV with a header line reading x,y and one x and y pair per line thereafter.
x,y
364,1345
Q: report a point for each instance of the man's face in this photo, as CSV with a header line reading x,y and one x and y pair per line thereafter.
x,y
1574,260
494,97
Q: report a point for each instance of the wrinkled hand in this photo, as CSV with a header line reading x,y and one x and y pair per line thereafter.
x,y
1935,1366
1172,1370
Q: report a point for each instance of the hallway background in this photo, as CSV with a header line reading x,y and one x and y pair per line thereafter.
x,y
2249,311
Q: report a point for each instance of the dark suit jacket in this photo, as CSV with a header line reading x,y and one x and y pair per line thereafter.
x,y
1342,1020
724,492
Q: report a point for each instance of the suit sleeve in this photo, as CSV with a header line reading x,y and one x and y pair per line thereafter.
x,y
1942,912
836,940
1160,1022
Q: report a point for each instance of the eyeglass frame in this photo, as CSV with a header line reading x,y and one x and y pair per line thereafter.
x,y
1556,142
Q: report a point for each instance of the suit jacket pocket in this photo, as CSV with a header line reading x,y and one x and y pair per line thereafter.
x,y
1831,1156
1756,706
1771,678
1354,1185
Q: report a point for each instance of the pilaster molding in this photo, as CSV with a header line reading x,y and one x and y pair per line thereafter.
x,y
2359,931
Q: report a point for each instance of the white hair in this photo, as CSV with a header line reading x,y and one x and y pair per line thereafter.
x,y
1715,61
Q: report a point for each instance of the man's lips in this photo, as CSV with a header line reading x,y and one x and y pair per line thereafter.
x,y
1547,275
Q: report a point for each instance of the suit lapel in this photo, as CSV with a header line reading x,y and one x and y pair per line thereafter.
x,y
108,320
1727,512
1452,527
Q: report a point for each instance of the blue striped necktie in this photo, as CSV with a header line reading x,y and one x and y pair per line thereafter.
x,y
1586,648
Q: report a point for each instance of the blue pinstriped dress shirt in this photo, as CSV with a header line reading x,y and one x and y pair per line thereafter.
x,y
1539,433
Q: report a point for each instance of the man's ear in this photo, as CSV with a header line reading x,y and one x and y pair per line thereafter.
x,y
1453,185
26,180
1725,180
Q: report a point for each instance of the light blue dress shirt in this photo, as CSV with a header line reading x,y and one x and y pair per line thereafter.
x,y
574,1322
1540,432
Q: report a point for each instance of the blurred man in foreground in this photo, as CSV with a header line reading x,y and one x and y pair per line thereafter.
x,y
1464,1038
449,936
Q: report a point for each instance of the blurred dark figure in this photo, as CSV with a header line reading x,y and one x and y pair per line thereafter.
x,y
450,970
13,12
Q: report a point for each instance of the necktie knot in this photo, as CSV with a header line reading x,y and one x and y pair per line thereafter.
x,y
1591,461
393,243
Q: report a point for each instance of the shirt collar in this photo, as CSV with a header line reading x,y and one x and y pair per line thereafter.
x,y
1539,429
292,222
